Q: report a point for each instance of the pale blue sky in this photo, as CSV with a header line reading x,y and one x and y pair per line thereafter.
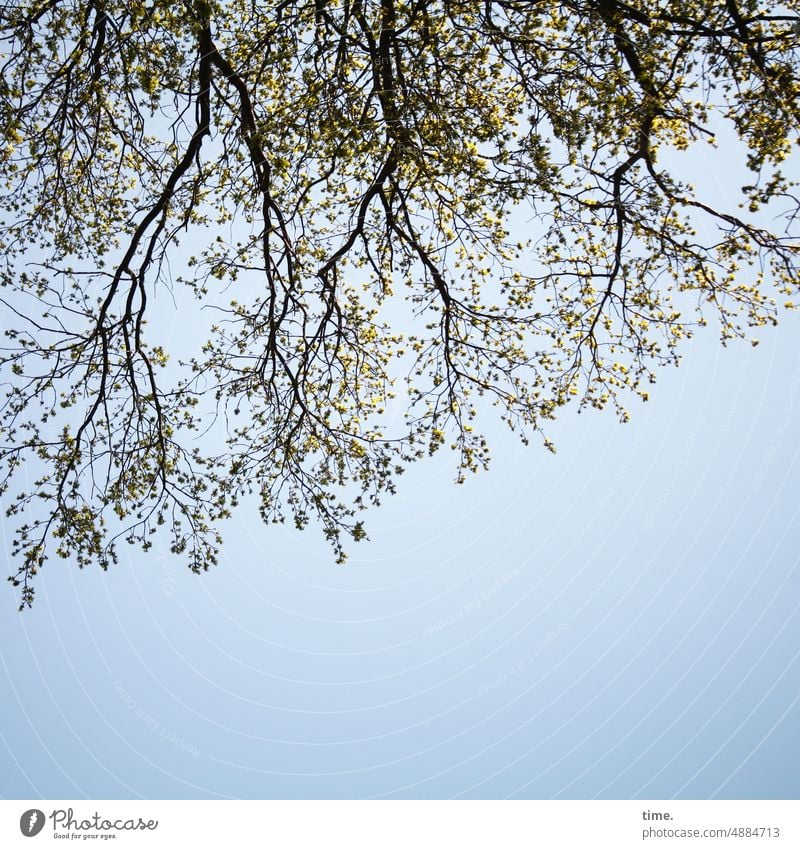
x,y
618,620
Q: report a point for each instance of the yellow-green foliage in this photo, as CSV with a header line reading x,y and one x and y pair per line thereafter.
x,y
351,174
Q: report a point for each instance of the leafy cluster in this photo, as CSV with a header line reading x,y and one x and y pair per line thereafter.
x,y
348,175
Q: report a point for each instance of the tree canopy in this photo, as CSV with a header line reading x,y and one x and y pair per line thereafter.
x,y
459,202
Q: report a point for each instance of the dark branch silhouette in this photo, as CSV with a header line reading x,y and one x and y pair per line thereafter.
x,y
348,176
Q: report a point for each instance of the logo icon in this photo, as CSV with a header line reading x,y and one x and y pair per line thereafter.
x,y
31,822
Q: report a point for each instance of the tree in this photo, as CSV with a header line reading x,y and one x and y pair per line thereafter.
x,y
348,175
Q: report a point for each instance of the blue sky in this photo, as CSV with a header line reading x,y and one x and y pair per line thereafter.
x,y
618,620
